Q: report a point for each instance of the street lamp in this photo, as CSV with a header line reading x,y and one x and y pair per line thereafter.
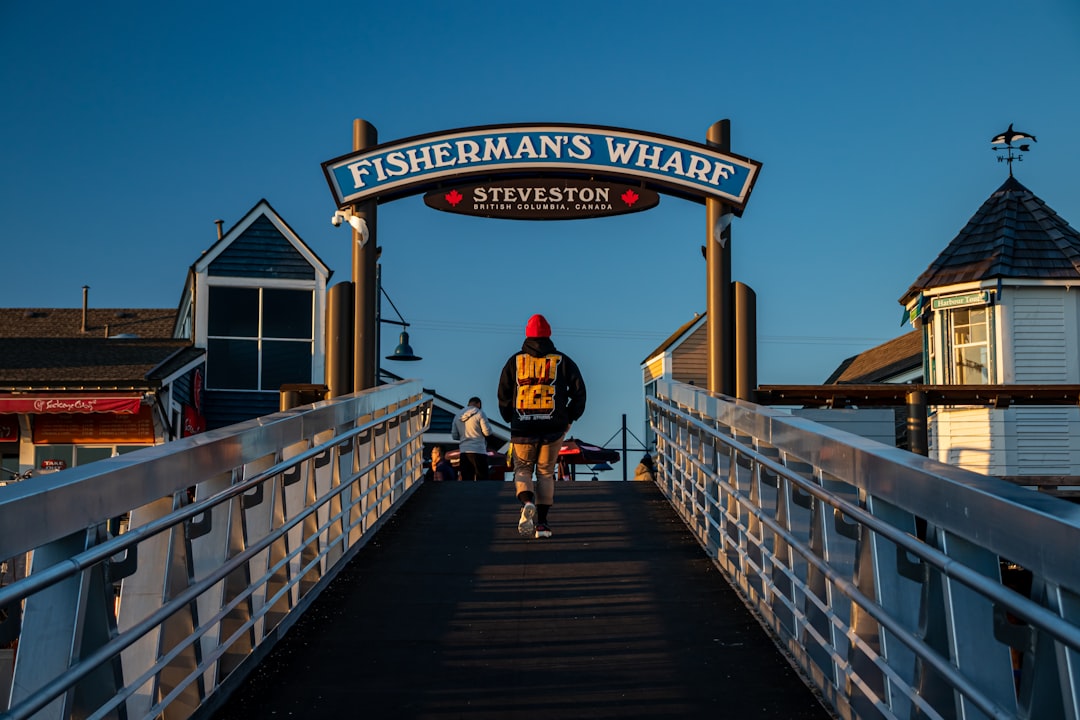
x,y
403,351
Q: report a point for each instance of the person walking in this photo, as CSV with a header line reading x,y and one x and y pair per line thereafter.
x,y
541,393
471,430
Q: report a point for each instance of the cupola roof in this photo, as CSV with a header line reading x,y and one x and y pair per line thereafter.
x,y
1013,235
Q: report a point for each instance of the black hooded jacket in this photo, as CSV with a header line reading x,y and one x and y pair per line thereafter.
x,y
541,391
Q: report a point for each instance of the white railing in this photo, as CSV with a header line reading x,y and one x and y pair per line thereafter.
x,y
230,536
899,586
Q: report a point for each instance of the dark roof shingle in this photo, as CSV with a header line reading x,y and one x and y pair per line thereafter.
x,y
1013,235
67,322
882,363
47,348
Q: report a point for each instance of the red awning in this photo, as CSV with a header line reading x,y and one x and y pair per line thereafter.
x,y
125,404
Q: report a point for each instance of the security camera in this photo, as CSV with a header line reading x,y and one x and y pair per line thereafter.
x,y
355,221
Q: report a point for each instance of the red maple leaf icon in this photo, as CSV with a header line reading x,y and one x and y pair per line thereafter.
x,y
454,197
630,197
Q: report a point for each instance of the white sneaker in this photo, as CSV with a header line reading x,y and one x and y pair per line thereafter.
x,y
527,523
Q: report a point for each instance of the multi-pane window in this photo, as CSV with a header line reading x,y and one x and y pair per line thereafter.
x,y
258,338
969,346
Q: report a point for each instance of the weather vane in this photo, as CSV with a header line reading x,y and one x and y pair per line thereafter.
x,y
1011,152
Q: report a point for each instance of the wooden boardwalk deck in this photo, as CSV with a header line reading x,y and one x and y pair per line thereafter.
x,y
449,613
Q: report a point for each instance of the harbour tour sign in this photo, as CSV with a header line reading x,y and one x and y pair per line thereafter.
x,y
423,163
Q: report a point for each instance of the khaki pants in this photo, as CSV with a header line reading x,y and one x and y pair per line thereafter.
x,y
541,458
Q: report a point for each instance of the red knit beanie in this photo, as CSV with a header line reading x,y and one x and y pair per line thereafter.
x,y
537,327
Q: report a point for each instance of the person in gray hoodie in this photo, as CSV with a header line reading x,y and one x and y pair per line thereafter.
x,y
471,430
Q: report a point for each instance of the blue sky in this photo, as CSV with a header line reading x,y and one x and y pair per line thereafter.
x,y
128,128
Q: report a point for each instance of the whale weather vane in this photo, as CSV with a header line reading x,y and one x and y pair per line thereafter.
x,y
1012,152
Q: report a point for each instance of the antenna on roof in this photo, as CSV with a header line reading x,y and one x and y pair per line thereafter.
x,y
1011,152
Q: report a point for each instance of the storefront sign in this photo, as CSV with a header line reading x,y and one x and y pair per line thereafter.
x,y
193,422
90,429
197,389
405,167
543,199
73,403
976,298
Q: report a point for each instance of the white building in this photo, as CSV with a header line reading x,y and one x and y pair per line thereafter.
x,y
1001,306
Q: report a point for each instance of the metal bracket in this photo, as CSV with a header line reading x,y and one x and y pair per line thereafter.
x,y
290,476
198,528
800,498
844,528
252,499
1019,636
911,569
119,569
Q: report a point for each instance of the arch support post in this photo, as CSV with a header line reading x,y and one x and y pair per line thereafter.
x,y
721,375
365,285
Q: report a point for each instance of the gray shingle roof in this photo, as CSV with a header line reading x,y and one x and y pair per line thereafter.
x,y
1013,235
46,347
67,322
881,363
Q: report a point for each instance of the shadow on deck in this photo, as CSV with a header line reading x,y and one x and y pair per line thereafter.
x,y
449,613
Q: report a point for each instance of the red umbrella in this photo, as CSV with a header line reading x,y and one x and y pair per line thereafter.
x,y
579,452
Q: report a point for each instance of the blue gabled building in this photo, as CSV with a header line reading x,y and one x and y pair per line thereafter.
x,y
255,301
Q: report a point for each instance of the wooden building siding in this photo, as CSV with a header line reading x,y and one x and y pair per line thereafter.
x,y
689,361
877,424
1044,440
227,407
1038,340
1011,442
965,437
654,370
181,392
262,252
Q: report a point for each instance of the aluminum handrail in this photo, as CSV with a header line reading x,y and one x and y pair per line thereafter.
x,y
312,485
869,567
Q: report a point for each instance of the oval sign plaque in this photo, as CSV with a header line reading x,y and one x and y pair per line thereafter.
x,y
542,199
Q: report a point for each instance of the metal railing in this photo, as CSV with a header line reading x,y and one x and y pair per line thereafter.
x,y
230,536
901,587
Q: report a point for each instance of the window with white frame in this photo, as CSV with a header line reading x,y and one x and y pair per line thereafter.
x,y
970,359
258,338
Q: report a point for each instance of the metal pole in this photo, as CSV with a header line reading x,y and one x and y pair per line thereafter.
x,y
339,339
718,280
365,290
624,447
378,321
745,332
918,435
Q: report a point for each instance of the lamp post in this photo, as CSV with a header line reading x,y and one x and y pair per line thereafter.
x,y
403,351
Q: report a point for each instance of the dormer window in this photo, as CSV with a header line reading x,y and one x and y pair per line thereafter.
x,y
258,338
